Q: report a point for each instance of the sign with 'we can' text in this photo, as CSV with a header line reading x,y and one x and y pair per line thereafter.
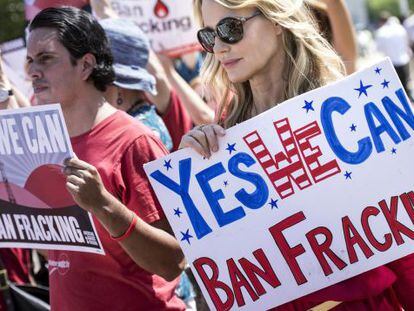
x,y
307,194
36,209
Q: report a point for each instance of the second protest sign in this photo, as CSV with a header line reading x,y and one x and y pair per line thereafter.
x,y
310,193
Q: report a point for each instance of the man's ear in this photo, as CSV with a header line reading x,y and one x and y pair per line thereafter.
x,y
88,63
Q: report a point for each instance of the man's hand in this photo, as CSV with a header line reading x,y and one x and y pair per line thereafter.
x,y
149,246
85,185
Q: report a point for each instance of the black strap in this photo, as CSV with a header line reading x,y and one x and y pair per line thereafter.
x,y
4,287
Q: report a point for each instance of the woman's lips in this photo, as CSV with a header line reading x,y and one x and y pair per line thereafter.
x,y
230,63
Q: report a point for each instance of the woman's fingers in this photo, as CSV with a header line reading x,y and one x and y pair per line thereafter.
x,y
190,141
220,131
212,132
200,135
203,139
211,137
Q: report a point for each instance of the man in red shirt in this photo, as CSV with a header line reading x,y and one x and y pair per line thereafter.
x,y
69,61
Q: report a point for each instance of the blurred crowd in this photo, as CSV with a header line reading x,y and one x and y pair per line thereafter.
x,y
391,36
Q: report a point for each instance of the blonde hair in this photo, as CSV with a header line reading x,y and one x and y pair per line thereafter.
x,y
310,61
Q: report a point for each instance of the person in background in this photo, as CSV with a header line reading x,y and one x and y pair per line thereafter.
x,y
69,61
392,41
146,98
166,74
408,24
18,264
191,98
289,58
10,96
16,261
134,85
336,25
142,88
188,67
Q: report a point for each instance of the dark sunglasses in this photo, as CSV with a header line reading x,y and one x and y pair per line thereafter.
x,y
229,30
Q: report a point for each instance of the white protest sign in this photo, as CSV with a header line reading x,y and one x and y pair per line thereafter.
x,y
36,209
169,24
305,195
32,7
13,54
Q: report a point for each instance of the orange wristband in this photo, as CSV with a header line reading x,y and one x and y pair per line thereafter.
x,y
128,231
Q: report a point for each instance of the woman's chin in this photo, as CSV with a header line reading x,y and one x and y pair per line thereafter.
x,y
234,78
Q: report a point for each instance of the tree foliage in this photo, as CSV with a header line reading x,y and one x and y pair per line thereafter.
x,y
376,6
11,19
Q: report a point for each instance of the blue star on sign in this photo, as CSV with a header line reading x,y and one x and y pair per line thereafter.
x,y
273,203
385,84
348,175
226,183
394,151
231,147
167,164
186,236
353,127
362,89
308,106
378,70
177,212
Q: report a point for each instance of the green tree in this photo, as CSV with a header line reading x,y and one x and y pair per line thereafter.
x,y
376,6
11,19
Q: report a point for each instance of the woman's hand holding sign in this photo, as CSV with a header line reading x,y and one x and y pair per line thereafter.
x,y
203,139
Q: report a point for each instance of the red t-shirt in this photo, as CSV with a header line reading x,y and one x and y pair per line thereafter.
x,y
177,120
387,288
17,262
118,147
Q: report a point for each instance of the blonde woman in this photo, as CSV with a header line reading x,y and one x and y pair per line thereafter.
x,y
260,53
